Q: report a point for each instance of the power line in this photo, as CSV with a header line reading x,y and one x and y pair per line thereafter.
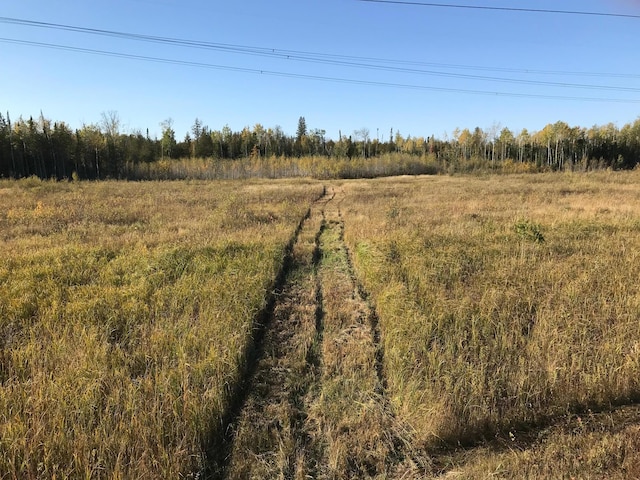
x,y
315,57
311,77
505,9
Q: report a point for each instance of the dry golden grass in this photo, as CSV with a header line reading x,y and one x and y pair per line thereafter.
x,y
270,440
504,302
587,446
348,412
508,312
125,312
288,167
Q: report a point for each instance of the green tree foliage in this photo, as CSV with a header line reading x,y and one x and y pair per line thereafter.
x,y
6,163
110,127
302,128
168,141
505,143
302,144
201,145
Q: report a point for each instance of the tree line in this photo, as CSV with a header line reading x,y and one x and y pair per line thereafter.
x,y
52,149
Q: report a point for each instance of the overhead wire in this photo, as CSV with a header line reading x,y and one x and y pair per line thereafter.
x,y
371,63
286,54
312,77
506,9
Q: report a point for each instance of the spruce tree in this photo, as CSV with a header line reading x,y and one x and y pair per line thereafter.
x,y
302,128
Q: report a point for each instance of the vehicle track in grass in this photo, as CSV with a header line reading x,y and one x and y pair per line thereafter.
x,y
265,438
314,404
363,437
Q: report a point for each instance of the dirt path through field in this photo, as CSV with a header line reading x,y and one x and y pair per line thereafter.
x,y
316,405
268,438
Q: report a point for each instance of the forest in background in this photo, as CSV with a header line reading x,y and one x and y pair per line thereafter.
x,y
52,149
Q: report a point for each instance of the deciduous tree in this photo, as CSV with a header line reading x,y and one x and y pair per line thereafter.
x,y
168,141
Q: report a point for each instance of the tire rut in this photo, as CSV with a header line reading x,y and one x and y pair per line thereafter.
x,y
314,403
363,438
268,438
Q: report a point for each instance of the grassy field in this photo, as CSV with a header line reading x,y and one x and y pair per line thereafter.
x,y
125,313
408,327
505,303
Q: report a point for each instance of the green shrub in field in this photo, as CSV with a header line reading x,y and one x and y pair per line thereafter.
x,y
529,231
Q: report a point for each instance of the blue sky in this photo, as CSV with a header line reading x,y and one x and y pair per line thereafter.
x,y
77,87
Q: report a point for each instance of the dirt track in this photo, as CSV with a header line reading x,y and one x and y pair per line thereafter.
x,y
315,405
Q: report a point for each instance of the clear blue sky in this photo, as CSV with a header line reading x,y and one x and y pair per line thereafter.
x,y
77,87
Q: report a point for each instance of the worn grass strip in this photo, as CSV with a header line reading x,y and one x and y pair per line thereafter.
x,y
269,437
351,413
409,460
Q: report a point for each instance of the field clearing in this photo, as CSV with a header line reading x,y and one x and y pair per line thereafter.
x,y
125,313
408,327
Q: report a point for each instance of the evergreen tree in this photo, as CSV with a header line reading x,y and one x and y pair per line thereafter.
x,y
302,128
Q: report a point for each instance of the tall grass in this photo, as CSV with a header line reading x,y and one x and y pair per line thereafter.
x,y
321,167
125,311
503,301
